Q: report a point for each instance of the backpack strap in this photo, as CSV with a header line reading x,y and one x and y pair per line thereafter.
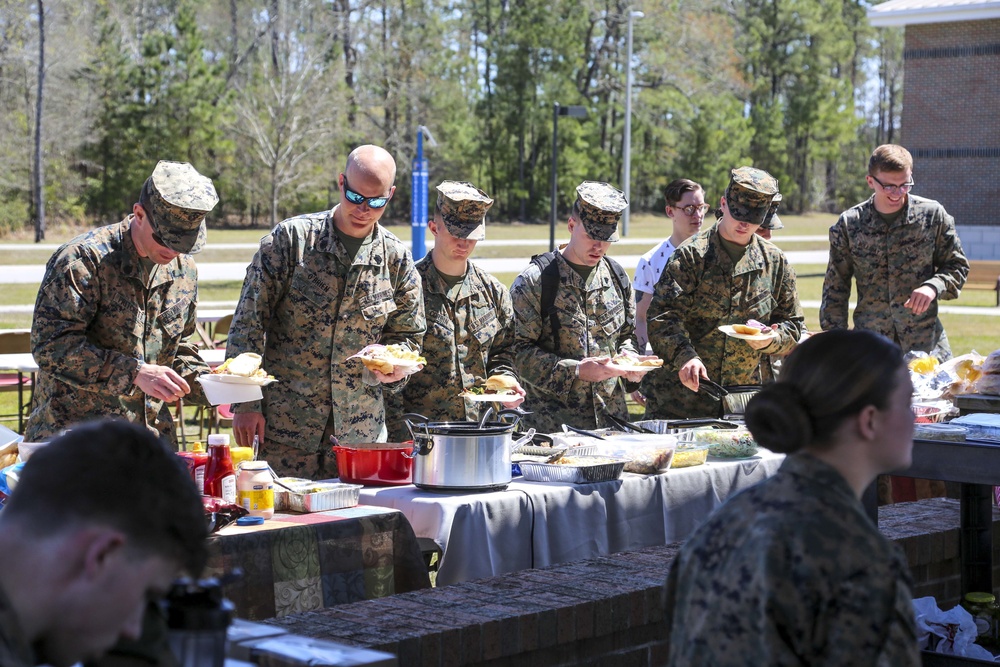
x,y
550,285
621,278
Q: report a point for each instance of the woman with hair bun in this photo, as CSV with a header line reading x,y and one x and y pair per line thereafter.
x,y
792,571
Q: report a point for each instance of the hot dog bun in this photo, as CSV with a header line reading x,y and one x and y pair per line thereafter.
x,y
744,329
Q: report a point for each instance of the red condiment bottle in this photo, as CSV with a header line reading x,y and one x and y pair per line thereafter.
x,y
196,459
220,477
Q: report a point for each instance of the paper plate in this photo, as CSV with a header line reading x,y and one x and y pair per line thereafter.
x,y
239,379
401,363
634,369
728,330
490,398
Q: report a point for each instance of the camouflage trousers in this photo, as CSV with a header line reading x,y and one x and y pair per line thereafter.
x,y
290,461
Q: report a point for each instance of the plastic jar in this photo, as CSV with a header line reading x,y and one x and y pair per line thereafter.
x,y
985,612
255,488
220,476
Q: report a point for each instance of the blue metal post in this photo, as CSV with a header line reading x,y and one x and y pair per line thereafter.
x,y
418,199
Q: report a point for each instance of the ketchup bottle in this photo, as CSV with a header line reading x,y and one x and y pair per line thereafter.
x,y
196,459
220,477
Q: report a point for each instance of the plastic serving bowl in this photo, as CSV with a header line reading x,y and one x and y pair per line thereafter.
x,y
374,464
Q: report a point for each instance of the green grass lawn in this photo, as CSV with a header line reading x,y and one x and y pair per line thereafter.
x,y
966,332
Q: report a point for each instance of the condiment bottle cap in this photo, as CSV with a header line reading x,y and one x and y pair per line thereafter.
x,y
250,521
218,439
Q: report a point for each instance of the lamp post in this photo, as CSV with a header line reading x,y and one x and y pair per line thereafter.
x,y
418,195
572,112
627,149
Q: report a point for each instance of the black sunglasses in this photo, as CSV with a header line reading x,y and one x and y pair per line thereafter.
x,y
359,199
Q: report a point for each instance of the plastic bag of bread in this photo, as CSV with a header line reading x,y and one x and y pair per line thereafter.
x,y
963,372
989,381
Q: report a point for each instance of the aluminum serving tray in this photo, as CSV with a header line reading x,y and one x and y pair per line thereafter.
x,y
578,474
333,496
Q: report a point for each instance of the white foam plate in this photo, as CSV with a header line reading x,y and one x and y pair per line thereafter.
x,y
728,330
490,398
635,369
239,379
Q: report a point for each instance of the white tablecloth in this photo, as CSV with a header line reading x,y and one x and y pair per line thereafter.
x,y
533,524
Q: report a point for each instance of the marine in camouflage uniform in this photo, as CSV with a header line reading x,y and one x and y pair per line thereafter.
x,y
119,302
887,263
15,649
306,306
824,586
470,319
702,289
596,316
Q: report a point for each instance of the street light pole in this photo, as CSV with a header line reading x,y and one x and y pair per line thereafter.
x,y
555,150
627,149
572,112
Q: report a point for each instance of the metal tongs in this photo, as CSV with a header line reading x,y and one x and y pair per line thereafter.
x,y
590,434
712,388
626,425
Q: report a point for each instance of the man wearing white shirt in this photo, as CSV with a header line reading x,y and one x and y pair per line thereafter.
x,y
686,208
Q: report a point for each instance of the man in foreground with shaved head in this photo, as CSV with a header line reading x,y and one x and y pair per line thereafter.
x,y
321,287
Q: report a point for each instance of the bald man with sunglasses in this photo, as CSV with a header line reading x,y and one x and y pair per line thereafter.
x,y
321,287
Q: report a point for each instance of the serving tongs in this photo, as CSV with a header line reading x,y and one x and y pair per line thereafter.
x,y
626,425
712,388
590,434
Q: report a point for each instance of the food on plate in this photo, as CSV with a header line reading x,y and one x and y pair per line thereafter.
x,y
245,365
752,328
384,359
500,385
625,359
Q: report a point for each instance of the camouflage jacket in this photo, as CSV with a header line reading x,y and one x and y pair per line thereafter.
x,y
96,321
791,572
306,307
467,338
701,289
15,650
593,319
888,263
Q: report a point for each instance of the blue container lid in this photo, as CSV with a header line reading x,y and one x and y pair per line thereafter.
x,y
250,521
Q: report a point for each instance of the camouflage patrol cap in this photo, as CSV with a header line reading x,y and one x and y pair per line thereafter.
x,y
463,208
599,206
176,198
752,196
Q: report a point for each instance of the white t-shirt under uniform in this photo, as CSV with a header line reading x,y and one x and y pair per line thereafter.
x,y
650,266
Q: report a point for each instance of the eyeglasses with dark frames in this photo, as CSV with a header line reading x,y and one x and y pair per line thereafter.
x,y
902,188
690,209
358,199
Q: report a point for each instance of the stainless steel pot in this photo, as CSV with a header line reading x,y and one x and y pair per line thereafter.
x,y
463,456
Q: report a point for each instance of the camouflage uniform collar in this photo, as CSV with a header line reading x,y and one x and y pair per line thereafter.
x,y
435,284
599,278
819,473
370,254
752,260
875,220
132,263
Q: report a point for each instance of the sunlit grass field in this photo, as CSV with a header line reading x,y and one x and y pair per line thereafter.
x,y
966,332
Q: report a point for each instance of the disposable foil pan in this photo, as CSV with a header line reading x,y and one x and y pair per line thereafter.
x,y
325,496
599,471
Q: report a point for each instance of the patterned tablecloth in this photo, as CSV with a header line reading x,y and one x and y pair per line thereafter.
x,y
302,562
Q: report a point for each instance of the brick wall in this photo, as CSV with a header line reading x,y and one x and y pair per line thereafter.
x,y
605,611
950,121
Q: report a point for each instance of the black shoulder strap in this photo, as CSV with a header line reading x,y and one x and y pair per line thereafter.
x,y
623,282
550,285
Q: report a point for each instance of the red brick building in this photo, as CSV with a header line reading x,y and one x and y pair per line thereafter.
x,y
951,109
